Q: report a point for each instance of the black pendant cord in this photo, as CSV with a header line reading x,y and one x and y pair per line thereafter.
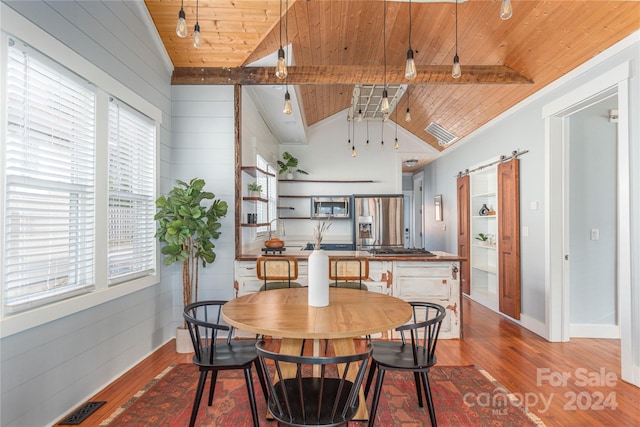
x,y
456,27
384,40
280,23
409,24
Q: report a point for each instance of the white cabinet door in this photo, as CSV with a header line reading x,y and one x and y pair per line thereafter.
x,y
431,282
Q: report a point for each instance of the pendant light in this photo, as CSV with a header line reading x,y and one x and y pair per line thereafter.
x,y
197,40
455,71
287,110
181,26
353,140
506,10
281,65
407,116
360,116
382,135
396,145
384,105
287,102
367,143
410,72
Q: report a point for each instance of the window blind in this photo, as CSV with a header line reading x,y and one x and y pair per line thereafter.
x,y
132,244
49,182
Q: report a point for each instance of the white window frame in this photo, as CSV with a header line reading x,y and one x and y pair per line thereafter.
x,y
23,29
270,192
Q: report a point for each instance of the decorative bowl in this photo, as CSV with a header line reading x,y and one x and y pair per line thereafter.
x,y
274,244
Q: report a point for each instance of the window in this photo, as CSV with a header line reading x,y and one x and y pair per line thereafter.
x,y
267,212
49,237
61,139
131,251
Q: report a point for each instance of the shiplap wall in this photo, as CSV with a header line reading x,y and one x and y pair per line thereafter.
x,y
203,147
48,370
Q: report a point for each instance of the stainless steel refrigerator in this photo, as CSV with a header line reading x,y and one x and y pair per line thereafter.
x,y
378,220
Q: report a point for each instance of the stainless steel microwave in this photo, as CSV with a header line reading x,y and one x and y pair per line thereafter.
x,y
330,206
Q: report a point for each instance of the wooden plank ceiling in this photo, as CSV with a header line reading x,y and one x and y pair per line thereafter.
x,y
541,42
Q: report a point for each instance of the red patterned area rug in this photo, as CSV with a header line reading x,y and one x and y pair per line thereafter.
x,y
463,396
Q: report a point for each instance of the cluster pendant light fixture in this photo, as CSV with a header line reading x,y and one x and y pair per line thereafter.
x,y
410,68
506,10
384,105
456,72
281,65
353,141
181,26
197,40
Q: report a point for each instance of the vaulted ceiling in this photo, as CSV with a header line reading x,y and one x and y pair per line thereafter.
x,y
337,44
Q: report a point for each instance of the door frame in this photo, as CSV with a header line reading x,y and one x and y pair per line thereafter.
x,y
556,115
418,200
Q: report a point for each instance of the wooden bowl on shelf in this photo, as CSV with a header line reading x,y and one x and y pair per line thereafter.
x,y
274,243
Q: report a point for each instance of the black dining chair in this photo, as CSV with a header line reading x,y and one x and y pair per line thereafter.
x,y
417,355
301,399
214,351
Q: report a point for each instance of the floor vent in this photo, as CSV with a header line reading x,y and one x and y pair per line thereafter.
x,y
81,413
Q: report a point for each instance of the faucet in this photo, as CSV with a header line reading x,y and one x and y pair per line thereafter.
x,y
277,221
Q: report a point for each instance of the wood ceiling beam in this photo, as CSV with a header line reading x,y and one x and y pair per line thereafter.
x,y
346,74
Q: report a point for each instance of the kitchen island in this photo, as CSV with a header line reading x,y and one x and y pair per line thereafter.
x,y
412,277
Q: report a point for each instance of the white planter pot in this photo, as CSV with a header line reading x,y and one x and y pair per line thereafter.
x,y
318,279
183,341
289,175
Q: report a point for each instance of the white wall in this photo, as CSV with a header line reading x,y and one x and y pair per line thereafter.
x,y
50,369
327,156
522,128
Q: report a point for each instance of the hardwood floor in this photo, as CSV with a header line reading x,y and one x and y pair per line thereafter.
x,y
564,384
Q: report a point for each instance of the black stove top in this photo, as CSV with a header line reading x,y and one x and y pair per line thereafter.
x,y
393,250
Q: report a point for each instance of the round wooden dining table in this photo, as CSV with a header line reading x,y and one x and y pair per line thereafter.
x,y
285,313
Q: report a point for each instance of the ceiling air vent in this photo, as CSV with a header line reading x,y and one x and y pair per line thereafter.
x,y
443,136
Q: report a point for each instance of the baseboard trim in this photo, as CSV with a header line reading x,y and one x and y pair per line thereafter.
x,y
534,325
594,331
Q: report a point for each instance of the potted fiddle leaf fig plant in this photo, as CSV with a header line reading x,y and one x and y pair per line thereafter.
x,y
289,164
187,226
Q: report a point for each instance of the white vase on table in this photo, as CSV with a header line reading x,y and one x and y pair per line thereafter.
x,y
318,274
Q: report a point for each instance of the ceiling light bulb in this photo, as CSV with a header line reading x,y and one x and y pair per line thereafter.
x,y
281,66
506,10
410,69
367,145
396,145
384,106
353,152
287,104
197,40
359,119
181,27
456,72
407,116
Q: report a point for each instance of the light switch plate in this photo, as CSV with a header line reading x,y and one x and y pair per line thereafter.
x,y
595,234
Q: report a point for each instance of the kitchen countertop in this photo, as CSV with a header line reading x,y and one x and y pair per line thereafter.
x,y
303,255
